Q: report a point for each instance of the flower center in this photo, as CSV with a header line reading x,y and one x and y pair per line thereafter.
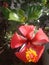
x,y
31,55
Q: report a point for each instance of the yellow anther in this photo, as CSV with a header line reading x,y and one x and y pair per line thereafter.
x,y
33,52
31,55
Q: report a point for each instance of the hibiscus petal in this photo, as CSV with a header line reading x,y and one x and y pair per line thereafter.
x,y
26,29
39,50
21,54
17,41
34,49
40,38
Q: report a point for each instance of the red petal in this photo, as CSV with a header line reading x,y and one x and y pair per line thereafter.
x,y
40,38
26,29
39,50
17,40
22,54
30,35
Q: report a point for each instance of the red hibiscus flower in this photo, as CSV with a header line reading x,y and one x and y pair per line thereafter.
x,y
30,44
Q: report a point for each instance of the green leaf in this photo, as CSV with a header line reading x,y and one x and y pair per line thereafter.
x,y
44,1
5,12
34,12
14,15
46,28
21,15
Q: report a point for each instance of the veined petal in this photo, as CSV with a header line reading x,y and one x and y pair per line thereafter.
x,y
40,38
30,35
35,52
31,53
21,54
17,40
26,29
39,50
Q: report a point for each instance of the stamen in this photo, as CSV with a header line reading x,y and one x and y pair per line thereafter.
x,y
31,55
